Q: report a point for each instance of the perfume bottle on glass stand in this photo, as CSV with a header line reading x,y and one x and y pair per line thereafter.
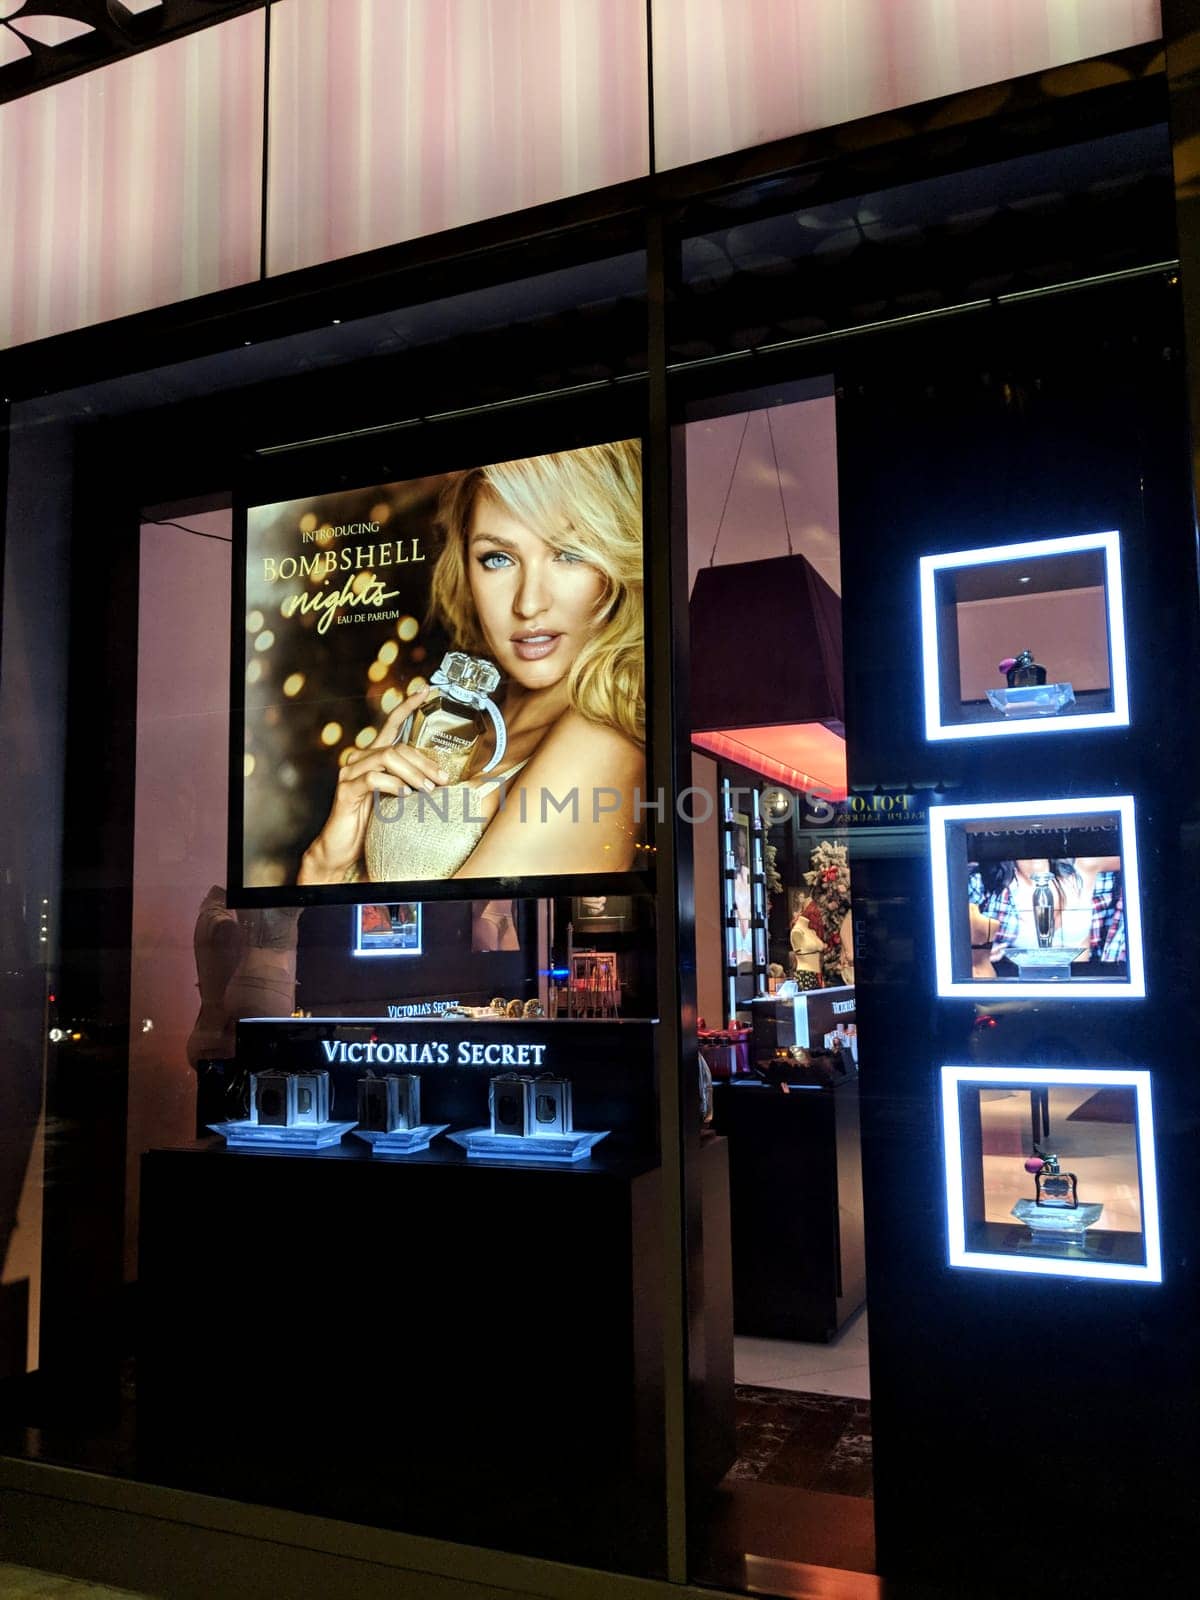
x,y
1022,671
457,716
1053,1188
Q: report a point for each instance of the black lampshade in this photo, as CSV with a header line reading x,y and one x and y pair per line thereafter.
x,y
766,646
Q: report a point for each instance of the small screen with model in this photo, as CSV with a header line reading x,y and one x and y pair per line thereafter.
x,y
1030,895
1064,914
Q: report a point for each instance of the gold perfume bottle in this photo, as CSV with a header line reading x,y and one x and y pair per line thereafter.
x,y
457,716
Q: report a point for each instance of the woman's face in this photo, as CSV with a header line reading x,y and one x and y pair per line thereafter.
x,y
537,606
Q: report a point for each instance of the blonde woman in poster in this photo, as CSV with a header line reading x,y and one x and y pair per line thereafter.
x,y
540,572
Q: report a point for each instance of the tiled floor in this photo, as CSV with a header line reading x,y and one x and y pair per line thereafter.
x,y
27,1583
837,1368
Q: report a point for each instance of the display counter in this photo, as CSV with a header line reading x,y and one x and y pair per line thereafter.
x,y
437,1323
410,1311
795,1173
801,1021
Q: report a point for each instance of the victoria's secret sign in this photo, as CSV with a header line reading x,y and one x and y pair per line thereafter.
x,y
433,1053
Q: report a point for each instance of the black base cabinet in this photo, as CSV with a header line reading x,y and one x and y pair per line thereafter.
x,y
795,1178
428,1344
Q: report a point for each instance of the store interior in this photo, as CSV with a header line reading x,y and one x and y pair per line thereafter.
x,y
774,956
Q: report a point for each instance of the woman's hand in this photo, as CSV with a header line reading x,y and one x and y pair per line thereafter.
x,y
379,769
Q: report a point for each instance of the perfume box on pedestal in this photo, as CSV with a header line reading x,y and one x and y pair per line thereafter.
x,y
552,1105
388,1103
511,1104
288,1111
312,1099
273,1099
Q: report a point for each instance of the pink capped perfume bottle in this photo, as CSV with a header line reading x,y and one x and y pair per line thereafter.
x,y
1053,1188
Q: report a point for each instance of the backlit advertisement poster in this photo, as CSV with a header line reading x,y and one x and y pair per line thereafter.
x,y
444,679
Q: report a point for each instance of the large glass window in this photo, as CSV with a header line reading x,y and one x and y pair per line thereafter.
x,y
358,1194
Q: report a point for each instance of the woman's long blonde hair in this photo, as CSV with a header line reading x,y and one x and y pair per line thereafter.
x,y
589,502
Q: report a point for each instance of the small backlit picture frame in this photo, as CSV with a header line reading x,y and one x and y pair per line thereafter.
x,y
1072,1237
987,610
387,930
593,914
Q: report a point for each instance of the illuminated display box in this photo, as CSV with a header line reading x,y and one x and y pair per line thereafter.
x,y
1024,638
1051,1170
1014,919
388,930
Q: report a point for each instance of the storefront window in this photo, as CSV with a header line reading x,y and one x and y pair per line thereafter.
x,y
357,1192
524,918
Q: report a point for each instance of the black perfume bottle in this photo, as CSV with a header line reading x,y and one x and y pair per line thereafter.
x,y
1025,673
1053,1188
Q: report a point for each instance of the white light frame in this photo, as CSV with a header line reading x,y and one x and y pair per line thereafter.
x,y
1133,988
1110,544
358,949
1063,1077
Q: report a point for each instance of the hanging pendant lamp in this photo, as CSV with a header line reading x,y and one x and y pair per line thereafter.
x,y
766,646
766,678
